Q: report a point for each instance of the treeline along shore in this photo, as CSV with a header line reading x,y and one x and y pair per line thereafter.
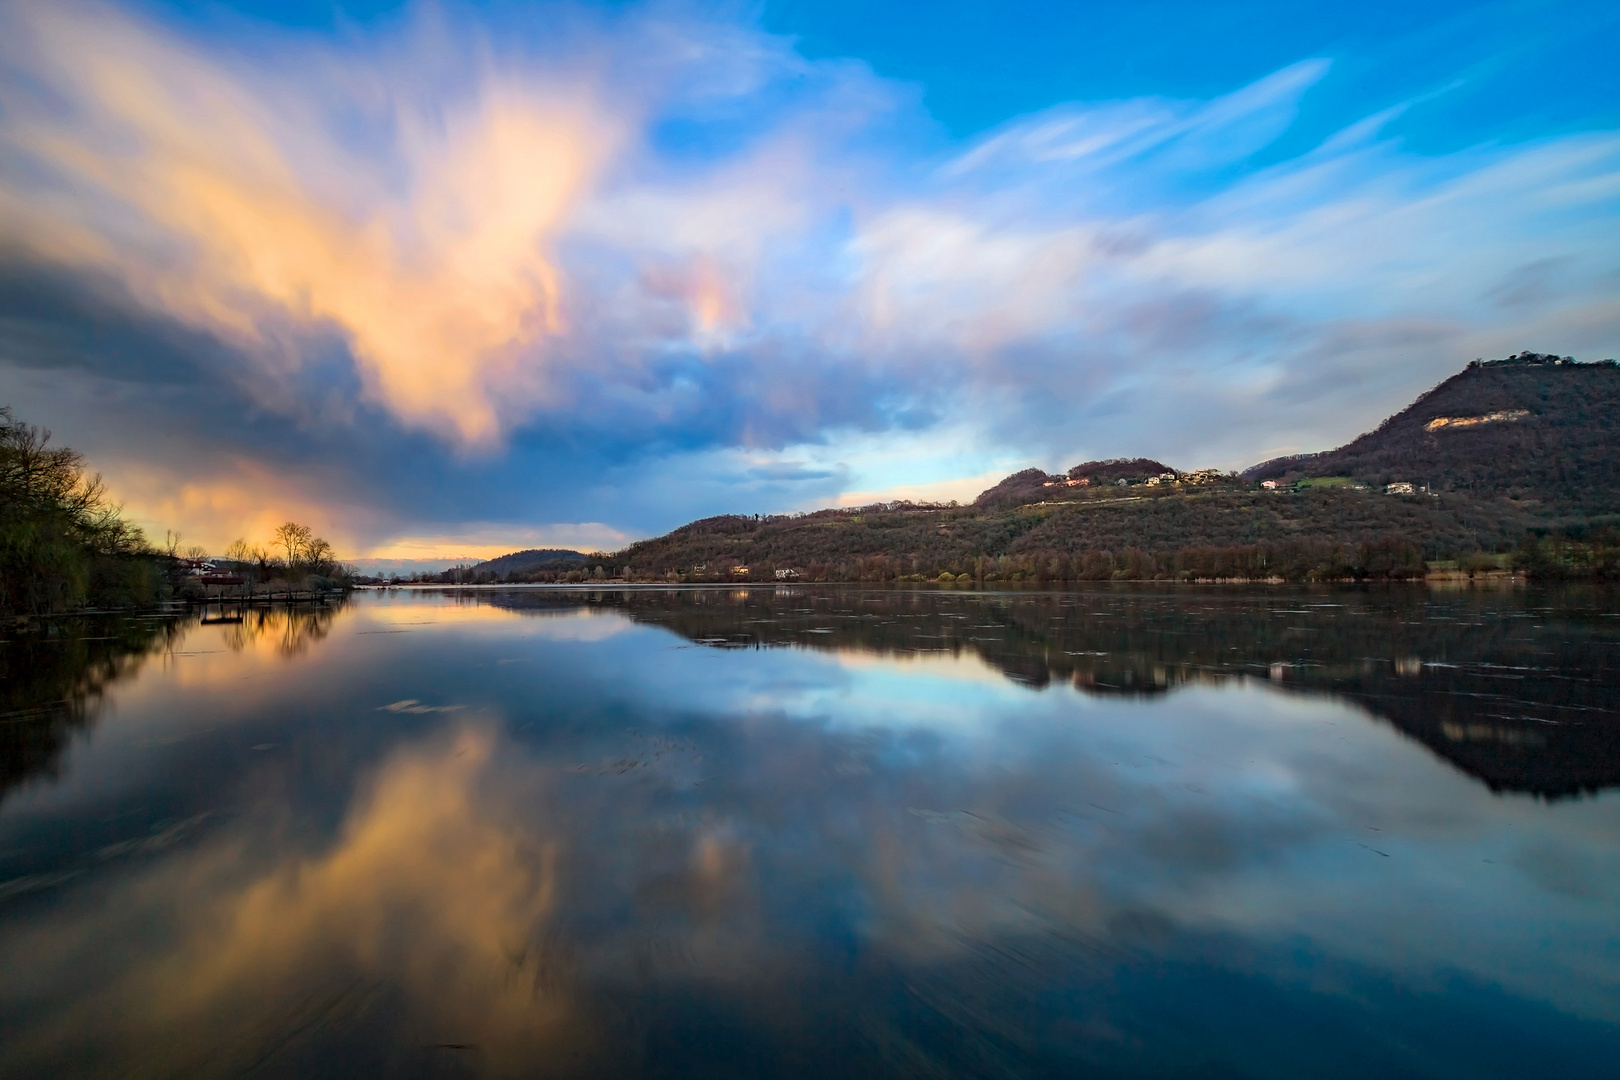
x,y
1509,466
65,546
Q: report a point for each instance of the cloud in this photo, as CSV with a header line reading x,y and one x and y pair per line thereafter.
x,y
1193,135
238,495
962,489
202,194
556,264
488,540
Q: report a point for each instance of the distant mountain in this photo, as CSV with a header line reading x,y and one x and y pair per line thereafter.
x,y
1541,430
1511,462
519,562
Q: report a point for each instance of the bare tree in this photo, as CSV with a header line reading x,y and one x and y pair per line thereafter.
x,y
293,539
319,555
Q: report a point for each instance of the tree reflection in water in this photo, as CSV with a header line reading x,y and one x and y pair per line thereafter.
x,y
54,677
53,680
293,628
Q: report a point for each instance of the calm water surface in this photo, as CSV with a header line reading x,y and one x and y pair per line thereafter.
x,y
818,832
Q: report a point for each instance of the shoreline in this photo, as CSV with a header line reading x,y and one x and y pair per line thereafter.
x,y
1440,579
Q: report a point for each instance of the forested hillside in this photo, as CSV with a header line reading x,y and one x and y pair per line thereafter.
x,y
1508,463
1033,485
1538,429
1230,530
532,559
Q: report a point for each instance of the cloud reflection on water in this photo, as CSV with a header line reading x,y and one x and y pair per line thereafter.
x,y
427,901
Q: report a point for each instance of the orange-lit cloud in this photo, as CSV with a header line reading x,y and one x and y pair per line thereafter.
x,y
223,500
963,489
218,499
704,289
209,206
230,498
488,540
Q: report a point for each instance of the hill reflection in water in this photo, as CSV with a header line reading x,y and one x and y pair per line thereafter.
x,y
1519,689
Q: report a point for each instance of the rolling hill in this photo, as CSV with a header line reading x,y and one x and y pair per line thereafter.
x,y
1508,462
531,559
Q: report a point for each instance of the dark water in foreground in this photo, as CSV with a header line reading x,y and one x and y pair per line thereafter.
x,y
818,832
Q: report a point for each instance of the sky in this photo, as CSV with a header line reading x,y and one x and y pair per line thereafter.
x,y
448,280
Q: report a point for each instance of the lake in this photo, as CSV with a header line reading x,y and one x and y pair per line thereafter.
x,y
816,831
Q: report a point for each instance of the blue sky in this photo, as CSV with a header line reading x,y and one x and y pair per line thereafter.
x,y
451,279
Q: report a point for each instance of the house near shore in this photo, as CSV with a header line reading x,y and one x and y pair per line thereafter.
x,y
1399,487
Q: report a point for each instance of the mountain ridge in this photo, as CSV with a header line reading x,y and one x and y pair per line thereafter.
x,y
1512,462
